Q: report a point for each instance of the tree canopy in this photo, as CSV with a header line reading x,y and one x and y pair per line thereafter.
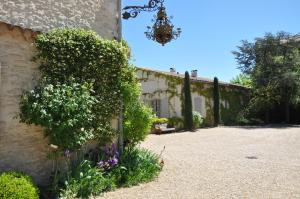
x,y
273,65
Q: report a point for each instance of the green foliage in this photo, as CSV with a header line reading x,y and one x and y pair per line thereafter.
x,y
197,119
176,122
17,185
138,117
136,166
83,55
216,102
138,122
78,54
234,102
160,121
273,64
188,106
64,110
243,80
85,181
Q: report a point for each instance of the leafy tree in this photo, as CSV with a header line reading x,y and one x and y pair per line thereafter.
x,y
216,102
243,80
273,64
188,107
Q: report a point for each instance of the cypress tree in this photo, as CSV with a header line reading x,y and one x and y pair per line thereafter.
x,y
188,107
216,102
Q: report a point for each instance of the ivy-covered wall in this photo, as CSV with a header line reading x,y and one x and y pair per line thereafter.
x,y
166,86
233,101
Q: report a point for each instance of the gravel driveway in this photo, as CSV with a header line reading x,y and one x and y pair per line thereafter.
x,y
224,163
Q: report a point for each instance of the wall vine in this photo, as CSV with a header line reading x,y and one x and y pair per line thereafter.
x,y
232,96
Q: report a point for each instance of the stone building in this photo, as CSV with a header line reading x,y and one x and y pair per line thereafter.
x,y
22,147
163,92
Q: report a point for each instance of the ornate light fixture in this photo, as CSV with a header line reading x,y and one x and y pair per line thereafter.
x,y
163,30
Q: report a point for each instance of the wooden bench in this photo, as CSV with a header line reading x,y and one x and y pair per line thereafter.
x,y
163,128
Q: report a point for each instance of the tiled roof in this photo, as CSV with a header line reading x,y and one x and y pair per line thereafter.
x,y
200,79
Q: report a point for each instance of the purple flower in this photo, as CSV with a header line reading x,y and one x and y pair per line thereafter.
x,y
100,164
67,153
111,157
113,162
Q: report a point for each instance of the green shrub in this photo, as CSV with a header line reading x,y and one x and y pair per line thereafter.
x,y
160,121
176,122
85,181
14,185
133,167
65,110
197,119
136,166
138,117
138,121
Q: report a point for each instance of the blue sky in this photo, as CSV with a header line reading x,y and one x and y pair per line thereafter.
x,y
211,30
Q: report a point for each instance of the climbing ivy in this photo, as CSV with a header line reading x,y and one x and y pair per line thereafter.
x,y
234,101
232,96
87,59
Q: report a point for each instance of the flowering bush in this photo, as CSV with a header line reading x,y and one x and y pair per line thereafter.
x,y
135,166
70,113
197,119
65,110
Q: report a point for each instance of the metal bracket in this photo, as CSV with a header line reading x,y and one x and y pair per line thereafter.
x,y
133,11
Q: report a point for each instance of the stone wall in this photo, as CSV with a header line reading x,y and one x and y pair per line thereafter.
x,y
22,147
44,15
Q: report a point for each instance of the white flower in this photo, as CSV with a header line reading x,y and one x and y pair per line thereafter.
x,y
54,146
82,129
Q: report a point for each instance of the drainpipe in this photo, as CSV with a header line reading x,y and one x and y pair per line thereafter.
x,y
121,116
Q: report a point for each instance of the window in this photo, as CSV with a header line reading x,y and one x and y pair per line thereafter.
x,y
156,107
198,105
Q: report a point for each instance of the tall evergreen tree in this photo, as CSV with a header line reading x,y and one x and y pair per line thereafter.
x,y
216,102
188,107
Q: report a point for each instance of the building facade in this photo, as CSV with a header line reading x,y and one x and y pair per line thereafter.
x,y
24,148
163,92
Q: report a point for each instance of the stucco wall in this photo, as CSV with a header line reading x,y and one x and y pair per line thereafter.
x,y
44,15
156,86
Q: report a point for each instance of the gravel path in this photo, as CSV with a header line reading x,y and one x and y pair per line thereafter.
x,y
224,163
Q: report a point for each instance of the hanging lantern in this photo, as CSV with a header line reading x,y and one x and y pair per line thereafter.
x,y
163,30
